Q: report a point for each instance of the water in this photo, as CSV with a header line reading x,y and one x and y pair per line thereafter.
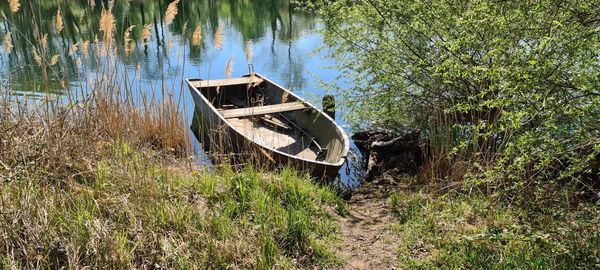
x,y
284,46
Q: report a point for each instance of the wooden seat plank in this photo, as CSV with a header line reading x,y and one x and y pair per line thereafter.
x,y
227,82
277,108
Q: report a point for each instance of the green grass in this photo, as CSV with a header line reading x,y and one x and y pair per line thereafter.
x,y
133,212
471,231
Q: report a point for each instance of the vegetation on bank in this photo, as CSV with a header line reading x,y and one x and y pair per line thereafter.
x,y
506,95
78,193
100,177
472,231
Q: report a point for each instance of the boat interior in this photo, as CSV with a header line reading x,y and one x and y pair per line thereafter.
x,y
273,118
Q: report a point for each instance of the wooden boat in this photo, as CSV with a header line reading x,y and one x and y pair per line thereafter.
x,y
252,114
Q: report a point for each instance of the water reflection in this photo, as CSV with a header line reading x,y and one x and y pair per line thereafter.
x,y
273,25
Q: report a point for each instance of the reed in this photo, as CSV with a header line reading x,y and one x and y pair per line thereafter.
x,y
85,45
197,37
218,37
54,60
107,27
73,49
8,45
229,68
184,29
58,22
37,58
147,33
248,51
44,43
129,43
171,12
14,5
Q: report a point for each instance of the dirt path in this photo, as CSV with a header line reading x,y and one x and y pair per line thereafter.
x,y
367,240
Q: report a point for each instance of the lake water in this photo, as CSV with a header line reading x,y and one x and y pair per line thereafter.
x,y
284,46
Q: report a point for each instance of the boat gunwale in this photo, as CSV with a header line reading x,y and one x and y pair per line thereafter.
x,y
344,154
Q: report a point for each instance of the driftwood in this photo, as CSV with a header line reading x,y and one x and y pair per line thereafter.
x,y
390,153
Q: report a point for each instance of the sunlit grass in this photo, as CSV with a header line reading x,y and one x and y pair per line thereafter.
x,y
132,212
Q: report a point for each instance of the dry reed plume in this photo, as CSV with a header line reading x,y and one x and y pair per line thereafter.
x,y
14,5
73,49
197,36
218,38
229,68
107,27
44,42
129,42
54,59
37,58
184,30
8,46
146,33
171,12
58,22
85,45
249,51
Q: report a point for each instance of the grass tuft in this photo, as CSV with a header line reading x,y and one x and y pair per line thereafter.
x,y
473,232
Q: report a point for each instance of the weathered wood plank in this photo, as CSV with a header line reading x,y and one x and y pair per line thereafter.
x,y
227,82
278,108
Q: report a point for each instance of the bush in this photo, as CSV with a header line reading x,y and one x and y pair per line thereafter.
x,y
509,88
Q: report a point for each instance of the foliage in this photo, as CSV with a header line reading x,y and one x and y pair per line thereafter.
x,y
510,87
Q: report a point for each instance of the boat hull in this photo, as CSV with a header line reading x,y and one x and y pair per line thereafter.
x,y
224,139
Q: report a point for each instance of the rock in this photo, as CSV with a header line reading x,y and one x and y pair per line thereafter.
x,y
390,153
